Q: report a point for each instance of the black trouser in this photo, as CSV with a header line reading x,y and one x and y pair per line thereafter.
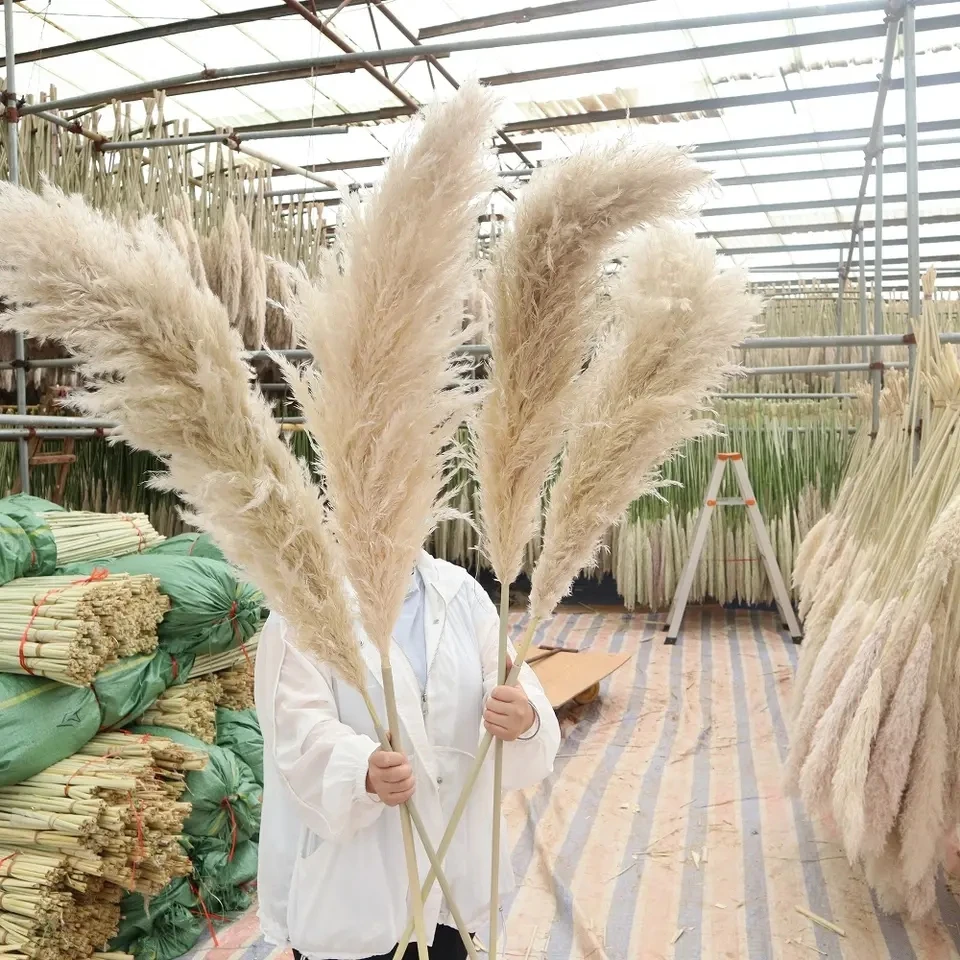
x,y
447,945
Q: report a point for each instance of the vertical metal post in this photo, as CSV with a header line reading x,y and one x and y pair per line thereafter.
x,y
13,162
877,286
840,291
913,167
865,352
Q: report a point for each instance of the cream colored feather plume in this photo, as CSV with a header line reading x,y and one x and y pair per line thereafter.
x,y
167,367
387,394
545,317
676,319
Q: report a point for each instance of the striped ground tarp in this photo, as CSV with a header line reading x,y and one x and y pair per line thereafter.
x,y
664,833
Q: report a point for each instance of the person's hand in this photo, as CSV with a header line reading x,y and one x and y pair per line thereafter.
x,y
390,777
508,714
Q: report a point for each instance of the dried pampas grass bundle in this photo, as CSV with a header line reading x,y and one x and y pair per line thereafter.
x,y
676,319
388,393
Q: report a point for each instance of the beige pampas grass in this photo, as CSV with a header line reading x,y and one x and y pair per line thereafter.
x,y
676,319
545,318
278,324
806,566
229,259
816,777
166,367
890,762
922,818
387,396
828,672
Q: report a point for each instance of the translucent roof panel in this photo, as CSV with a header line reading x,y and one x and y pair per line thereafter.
x,y
717,87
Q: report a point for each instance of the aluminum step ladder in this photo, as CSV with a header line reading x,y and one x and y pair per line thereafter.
x,y
711,501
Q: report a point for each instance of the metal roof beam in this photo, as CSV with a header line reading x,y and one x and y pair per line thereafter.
x,y
831,203
840,245
789,228
526,15
715,50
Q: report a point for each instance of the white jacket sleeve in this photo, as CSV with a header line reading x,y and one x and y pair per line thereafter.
x,y
322,761
525,762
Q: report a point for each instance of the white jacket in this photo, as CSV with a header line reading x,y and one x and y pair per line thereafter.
x,y
332,877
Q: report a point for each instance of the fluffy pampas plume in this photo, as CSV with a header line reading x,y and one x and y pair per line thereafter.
x,y
386,395
168,369
545,316
389,394
676,318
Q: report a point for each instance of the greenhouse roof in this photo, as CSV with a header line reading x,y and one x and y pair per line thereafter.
x,y
804,78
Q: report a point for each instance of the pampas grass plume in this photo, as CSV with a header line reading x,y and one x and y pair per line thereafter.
x,y
387,395
890,762
545,318
676,319
168,369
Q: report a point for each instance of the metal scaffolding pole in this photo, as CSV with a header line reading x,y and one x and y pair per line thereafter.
x,y
228,138
862,292
877,292
13,162
913,167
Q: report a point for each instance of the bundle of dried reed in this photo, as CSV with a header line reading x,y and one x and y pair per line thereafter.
x,y
116,818
874,743
236,687
67,628
387,395
82,536
221,662
190,707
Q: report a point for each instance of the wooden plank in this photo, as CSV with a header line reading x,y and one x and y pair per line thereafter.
x,y
565,675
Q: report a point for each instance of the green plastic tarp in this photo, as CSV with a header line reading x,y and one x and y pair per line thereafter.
x,y
211,610
164,928
43,546
16,549
239,731
187,545
225,797
127,688
222,874
36,504
41,723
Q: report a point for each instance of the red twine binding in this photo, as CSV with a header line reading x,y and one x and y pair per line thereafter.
x,y
9,857
206,914
176,668
232,617
97,576
133,524
141,846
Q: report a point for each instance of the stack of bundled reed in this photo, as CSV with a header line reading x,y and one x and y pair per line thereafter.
x,y
190,707
83,536
113,811
876,733
236,687
50,912
67,628
216,662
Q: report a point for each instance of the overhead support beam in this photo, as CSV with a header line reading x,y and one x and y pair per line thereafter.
x,y
818,151
365,58
820,136
715,51
526,15
839,245
806,267
714,104
227,139
173,29
788,205
845,227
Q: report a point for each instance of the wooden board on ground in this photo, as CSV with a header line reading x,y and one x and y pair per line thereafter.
x,y
566,675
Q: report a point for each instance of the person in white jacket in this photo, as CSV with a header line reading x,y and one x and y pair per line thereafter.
x,y
332,880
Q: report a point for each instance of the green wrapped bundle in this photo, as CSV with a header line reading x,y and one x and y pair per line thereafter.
x,y
222,873
130,686
211,610
187,545
34,504
43,546
16,549
164,929
239,731
41,723
225,797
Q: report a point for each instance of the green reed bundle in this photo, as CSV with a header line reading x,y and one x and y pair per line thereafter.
x,y
206,663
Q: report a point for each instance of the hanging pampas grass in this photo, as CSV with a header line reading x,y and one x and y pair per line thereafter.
x,y
544,320
676,319
388,394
